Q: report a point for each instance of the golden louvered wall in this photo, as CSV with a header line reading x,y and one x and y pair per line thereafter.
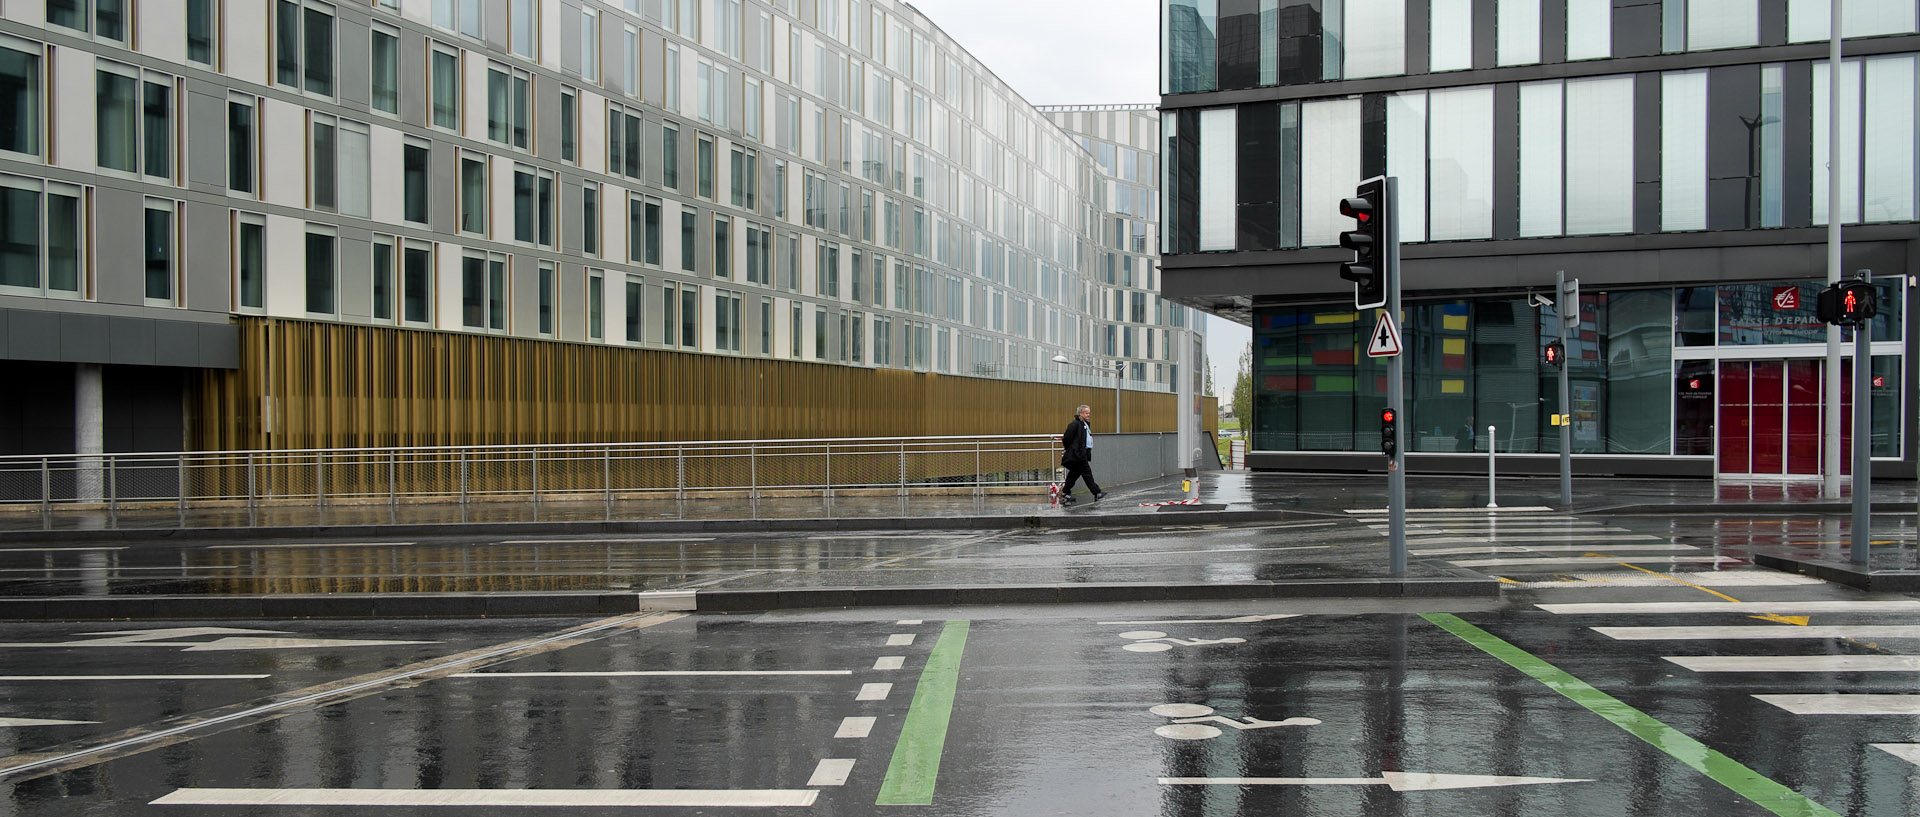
x,y
343,386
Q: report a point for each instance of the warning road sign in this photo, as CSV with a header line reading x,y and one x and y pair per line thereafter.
x,y
1386,338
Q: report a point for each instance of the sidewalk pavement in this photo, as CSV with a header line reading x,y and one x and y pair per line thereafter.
x,y
345,561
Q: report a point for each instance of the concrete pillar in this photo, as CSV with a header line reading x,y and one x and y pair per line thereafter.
x,y
89,432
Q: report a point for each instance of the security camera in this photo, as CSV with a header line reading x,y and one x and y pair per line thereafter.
x,y
1538,301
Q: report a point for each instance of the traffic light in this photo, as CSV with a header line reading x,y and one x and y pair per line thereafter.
x,y
1556,354
1389,439
1847,303
1368,240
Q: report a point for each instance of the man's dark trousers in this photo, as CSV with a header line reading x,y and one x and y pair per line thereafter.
x,y
1082,470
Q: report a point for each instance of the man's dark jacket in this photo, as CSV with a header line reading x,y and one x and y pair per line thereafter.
x,y
1073,442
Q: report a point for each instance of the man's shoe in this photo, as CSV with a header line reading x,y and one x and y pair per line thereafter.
x,y
1067,500
1099,495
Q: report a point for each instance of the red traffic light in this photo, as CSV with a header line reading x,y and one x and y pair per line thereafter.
x,y
1555,353
1359,210
1386,415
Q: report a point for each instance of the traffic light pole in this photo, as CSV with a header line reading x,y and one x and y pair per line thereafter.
x,y
1568,306
1397,466
1862,440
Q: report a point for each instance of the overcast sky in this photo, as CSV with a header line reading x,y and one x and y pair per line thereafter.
x,y
1077,52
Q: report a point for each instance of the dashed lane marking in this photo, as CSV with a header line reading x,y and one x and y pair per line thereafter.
x,y
886,662
855,727
832,771
874,692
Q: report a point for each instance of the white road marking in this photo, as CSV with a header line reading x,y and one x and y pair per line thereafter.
x,y
1540,549
1572,538
1201,551
114,569
1234,620
1909,752
1842,704
1797,663
650,673
1587,560
313,545
620,540
1782,607
56,550
855,727
494,798
38,722
873,692
881,536
909,621
132,677
1588,581
251,640
890,662
1398,781
1759,631
900,640
832,771
1447,511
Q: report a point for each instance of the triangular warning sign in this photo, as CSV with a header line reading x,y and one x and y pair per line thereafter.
x,y
1385,341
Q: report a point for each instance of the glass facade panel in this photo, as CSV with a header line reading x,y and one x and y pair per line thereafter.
x,y
19,237
1460,168
1812,20
1771,157
1722,24
19,101
1639,364
1599,178
1450,35
1517,27
1683,150
1589,29
1329,166
1541,151
1888,188
1375,38
1407,160
320,273
1190,40
1749,315
1219,148
1849,141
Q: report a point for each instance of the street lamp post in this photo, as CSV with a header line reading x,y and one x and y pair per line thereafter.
x,y
1119,370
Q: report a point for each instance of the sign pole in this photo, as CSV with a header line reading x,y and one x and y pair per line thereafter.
x,y
1397,466
1862,439
1569,313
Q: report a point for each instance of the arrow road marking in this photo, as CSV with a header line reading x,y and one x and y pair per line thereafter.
x,y
37,722
1234,620
1156,641
1398,781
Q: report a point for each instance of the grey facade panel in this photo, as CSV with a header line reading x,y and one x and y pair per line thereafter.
x,y
1419,38
132,341
414,89
572,206
84,339
1485,33
496,28
1646,153
203,251
571,311
353,285
33,335
1506,162
523,305
570,39
1636,28
119,274
1733,101
219,346
1553,32
353,63
1798,161
546,96
1773,22
443,182
176,344
653,51
206,141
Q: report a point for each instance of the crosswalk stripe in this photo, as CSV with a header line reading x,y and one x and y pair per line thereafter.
x,y
1490,549
1609,539
1834,703
1783,607
1445,511
1588,560
1589,581
1797,663
1759,631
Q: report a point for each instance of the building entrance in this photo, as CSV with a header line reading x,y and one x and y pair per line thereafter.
x,y
1770,424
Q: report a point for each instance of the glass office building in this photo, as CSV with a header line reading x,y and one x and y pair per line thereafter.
x,y
834,183
1670,156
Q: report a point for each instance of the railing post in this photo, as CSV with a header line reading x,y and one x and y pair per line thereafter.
x,y
680,473
753,471
113,487
180,479
606,472
829,485
253,492
393,478
979,478
46,487
1490,450
903,469
463,476
320,479
535,454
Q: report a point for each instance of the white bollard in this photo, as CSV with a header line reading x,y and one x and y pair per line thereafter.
x,y
1490,450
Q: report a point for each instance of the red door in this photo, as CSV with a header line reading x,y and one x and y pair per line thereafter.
x,y
1770,417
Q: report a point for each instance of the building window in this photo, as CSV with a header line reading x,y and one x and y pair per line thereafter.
x,y
473,194
759,254
507,105
596,305
669,157
523,28
20,95
341,170
1877,171
1517,37
202,32
726,321
827,270
1576,147
106,19
704,167
590,218
414,160
483,291
744,179
1218,152
321,273
134,124
722,247
819,333
1701,25
416,284
465,16
250,261
631,40
624,145
532,206
635,295
689,235
385,69
751,108
569,115
779,191
590,44
766,326
42,251
1812,20
242,167
159,257
673,79
546,298
383,278
303,46
680,308
1589,29
1683,150
445,70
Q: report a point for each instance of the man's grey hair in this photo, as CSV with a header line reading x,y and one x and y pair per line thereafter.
x,y
1082,407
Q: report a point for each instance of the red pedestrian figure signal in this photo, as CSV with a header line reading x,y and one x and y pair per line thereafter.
x,y
1848,303
1556,354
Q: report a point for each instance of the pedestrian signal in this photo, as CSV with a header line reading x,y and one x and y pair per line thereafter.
x,y
1847,303
1556,354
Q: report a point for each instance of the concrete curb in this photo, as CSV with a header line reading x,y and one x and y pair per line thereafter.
x,y
1823,507
570,528
494,605
1872,581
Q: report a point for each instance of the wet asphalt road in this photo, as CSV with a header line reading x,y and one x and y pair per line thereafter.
x,y
1312,707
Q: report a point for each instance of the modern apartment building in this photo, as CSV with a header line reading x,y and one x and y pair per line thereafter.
x,y
292,224
1671,156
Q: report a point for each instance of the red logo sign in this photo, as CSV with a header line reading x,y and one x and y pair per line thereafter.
x,y
1695,382
1786,297
1879,381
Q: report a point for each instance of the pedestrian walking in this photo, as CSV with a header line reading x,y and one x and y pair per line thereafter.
x,y
1076,455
